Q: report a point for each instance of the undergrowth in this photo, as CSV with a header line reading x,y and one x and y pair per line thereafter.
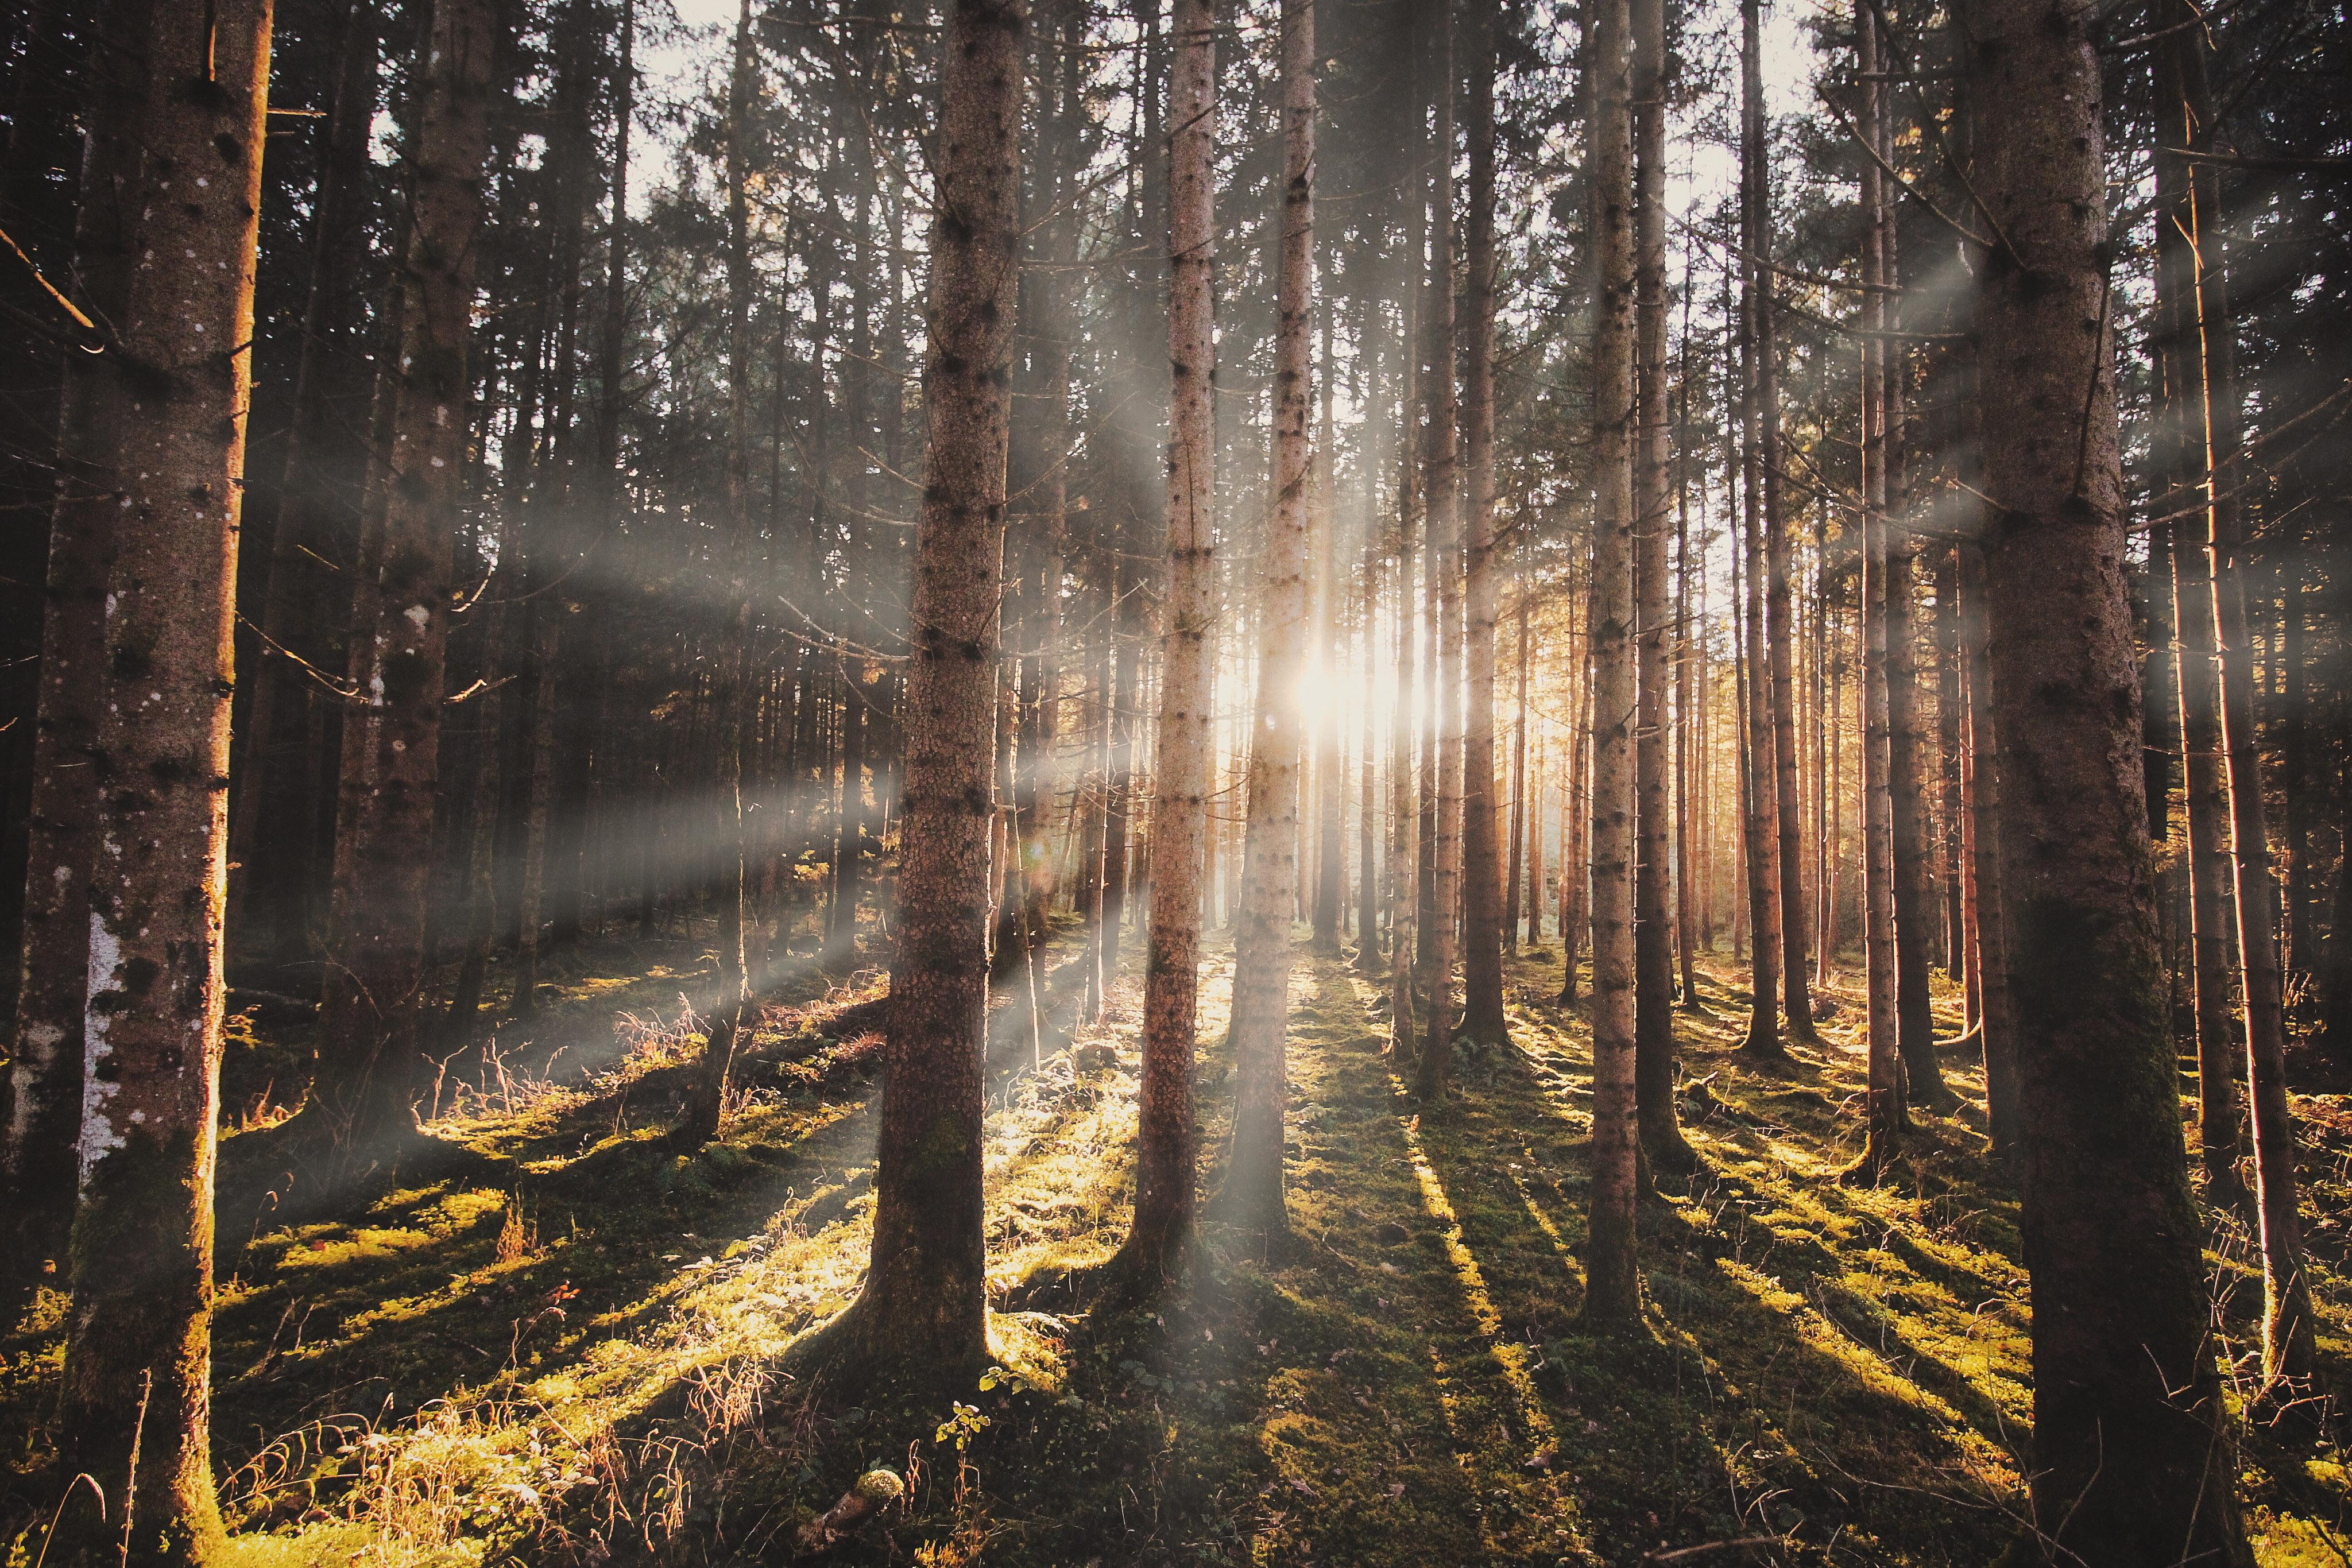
x,y
571,1345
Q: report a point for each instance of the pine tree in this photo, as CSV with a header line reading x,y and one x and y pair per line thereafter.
x,y
1483,916
925,1304
1253,1194
2132,1460
1166,1138
134,1415
1654,949
1612,1288
38,1152
373,1026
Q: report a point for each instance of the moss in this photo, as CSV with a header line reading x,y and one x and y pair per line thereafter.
x,y
1846,1369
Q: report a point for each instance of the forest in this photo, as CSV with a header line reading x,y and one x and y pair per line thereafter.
x,y
1375,782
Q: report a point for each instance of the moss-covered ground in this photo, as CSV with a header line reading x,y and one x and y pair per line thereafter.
x,y
561,1341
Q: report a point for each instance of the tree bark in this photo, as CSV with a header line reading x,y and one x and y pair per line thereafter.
x,y
2290,1349
372,1028
2183,449
1997,1025
925,1304
134,1410
1613,1279
1654,950
1884,1114
1253,1193
1442,907
39,1156
2132,1460
706,1102
319,456
1166,1139
1759,752
1483,916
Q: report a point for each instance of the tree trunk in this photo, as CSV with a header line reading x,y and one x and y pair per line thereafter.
x,y
1576,827
1793,937
1997,1024
2289,1347
38,1157
1948,758
1687,652
1330,764
1483,915
1915,908
925,1304
372,1029
1166,1139
1759,752
1884,1112
2132,1460
1653,951
706,1101
1613,1279
1526,859
1253,1194
135,1408
2183,450
1445,534
319,456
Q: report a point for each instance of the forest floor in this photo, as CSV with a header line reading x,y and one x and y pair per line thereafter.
x,y
561,1341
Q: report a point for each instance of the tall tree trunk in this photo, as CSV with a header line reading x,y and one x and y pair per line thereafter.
x,y
1166,1138
2184,450
1406,868
1654,949
925,1303
1759,422
2289,1346
1885,1116
1613,1279
1483,916
372,1029
481,850
706,1101
1576,829
2132,1460
1688,651
1368,814
1253,1194
320,454
1995,1023
1915,909
1330,764
38,1154
1525,823
135,1408
1947,759
1794,939
1445,534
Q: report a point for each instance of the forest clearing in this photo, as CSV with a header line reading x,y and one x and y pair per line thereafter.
x,y
1152,781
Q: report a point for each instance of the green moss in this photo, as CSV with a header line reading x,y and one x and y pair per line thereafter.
x,y
1846,1369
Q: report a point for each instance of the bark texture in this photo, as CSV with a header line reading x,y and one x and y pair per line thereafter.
x,y
925,1304
1166,1140
38,1156
2133,1462
1612,1280
1483,915
1654,946
134,1413
372,1026
1253,1194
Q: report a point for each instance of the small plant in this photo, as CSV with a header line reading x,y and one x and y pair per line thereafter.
x,y
519,1237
